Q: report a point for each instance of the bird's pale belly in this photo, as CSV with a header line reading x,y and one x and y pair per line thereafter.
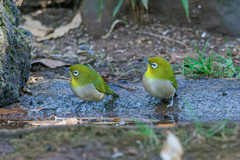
x,y
159,88
88,93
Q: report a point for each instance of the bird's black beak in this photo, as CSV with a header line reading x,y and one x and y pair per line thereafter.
x,y
145,60
66,68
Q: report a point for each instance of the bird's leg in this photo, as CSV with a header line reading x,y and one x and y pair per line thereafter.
x,y
171,103
76,109
148,103
109,103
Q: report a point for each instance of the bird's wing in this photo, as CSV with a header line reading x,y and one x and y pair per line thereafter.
x,y
175,94
102,86
173,84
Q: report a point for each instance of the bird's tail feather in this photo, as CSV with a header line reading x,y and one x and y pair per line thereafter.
x,y
115,95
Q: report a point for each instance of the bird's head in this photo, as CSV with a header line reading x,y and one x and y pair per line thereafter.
x,y
82,74
78,69
158,68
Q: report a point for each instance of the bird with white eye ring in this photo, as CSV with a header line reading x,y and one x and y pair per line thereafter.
x,y
75,73
159,80
154,65
88,85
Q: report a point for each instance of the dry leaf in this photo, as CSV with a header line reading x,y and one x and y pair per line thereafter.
x,y
40,109
172,149
32,80
35,27
50,63
132,151
166,125
46,123
61,123
27,91
68,121
19,110
72,120
59,32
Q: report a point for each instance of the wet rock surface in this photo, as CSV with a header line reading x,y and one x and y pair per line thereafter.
x,y
16,45
210,100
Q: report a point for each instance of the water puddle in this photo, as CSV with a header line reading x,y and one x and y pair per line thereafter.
x,y
156,113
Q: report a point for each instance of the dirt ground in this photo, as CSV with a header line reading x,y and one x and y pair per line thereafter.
x,y
106,142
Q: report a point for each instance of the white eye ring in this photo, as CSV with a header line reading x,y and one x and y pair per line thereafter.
x,y
75,73
154,65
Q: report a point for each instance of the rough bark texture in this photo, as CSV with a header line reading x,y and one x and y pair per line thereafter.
x,y
15,48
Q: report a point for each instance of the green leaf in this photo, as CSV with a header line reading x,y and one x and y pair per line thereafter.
x,y
218,127
228,50
220,57
204,49
199,55
133,4
230,73
145,3
117,8
99,10
186,8
195,62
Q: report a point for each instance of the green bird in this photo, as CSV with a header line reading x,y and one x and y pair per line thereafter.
x,y
88,85
159,80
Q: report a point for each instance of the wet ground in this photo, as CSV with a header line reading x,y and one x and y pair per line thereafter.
x,y
210,100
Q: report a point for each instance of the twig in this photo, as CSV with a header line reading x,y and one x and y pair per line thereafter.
x,y
126,87
231,78
62,77
162,37
113,25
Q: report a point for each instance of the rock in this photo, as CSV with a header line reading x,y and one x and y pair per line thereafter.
x,y
16,45
89,12
215,15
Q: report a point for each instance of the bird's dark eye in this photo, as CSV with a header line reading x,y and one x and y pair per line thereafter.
x,y
75,73
154,65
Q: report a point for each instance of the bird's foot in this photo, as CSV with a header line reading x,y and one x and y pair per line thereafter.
x,y
109,104
149,101
76,109
171,103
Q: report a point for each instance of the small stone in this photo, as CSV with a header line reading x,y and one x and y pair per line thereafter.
x,y
224,94
116,155
149,42
203,34
132,151
49,148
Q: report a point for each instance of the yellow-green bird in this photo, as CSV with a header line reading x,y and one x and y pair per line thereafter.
x,y
159,80
88,85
